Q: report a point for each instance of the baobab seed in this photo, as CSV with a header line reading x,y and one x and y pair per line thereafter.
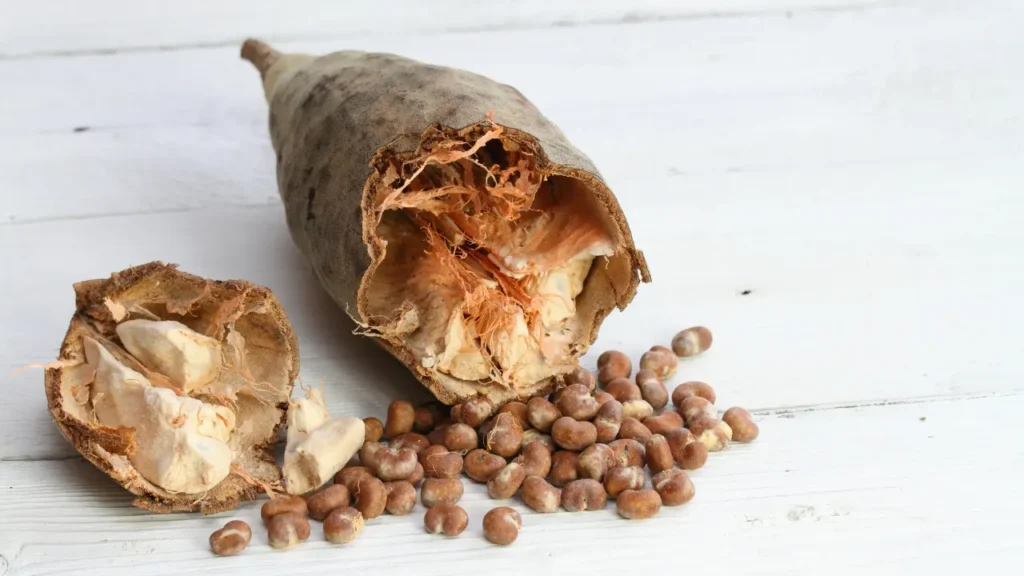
x,y
691,342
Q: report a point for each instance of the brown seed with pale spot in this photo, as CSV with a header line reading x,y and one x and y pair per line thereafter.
x,y
231,539
472,412
583,494
595,461
692,341
506,482
501,525
638,504
442,465
506,436
743,427
608,421
432,450
535,459
695,408
447,519
536,436
633,429
660,360
623,390
691,456
286,530
713,434
401,497
577,403
481,465
282,505
334,496
564,467
658,454
583,376
674,486
436,491
638,409
517,409
411,441
628,453
570,434
694,388
678,440
343,525
603,398
350,477
664,423
651,389
541,413
611,365
460,438
391,464
371,497
624,478
540,495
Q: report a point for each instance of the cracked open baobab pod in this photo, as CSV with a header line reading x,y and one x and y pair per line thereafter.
x,y
448,217
175,386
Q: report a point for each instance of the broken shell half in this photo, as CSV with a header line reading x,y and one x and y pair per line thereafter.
x,y
175,386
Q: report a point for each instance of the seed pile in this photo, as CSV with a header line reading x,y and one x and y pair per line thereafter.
x,y
573,450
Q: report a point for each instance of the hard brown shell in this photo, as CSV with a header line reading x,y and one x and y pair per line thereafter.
x,y
207,306
333,117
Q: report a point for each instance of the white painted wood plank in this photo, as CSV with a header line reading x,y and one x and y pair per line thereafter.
x,y
916,488
81,175
60,26
702,99
876,308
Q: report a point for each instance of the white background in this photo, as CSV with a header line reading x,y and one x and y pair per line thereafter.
x,y
857,166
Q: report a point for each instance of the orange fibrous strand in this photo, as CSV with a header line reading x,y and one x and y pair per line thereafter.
x,y
449,152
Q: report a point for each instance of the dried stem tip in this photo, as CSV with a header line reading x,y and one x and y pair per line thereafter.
x,y
260,54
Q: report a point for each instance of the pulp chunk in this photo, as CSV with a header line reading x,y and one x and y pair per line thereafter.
x,y
188,358
181,442
318,445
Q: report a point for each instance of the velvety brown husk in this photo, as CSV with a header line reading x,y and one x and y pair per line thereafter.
x,y
160,291
336,120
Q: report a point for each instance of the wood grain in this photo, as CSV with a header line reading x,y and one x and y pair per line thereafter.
x,y
876,490
116,25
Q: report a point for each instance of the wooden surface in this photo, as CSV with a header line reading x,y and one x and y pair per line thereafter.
x,y
835,188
